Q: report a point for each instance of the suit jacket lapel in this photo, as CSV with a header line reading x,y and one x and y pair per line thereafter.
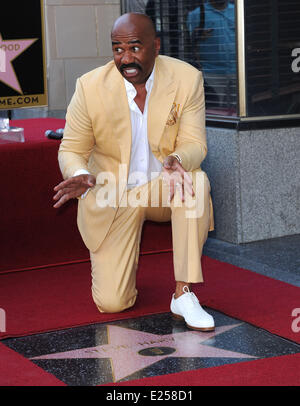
x,y
160,103
117,109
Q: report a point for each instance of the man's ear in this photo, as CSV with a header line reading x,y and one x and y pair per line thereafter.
x,y
157,45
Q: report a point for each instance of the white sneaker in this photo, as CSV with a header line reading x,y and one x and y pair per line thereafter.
x,y
187,307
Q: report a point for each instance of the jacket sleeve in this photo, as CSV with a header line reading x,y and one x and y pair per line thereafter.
x,y
78,140
191,143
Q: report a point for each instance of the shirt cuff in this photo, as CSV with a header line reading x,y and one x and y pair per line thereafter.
x,y
81,172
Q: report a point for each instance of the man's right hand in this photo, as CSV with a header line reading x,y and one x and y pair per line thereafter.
x,y
72,188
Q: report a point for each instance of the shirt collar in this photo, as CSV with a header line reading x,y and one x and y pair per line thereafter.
x,y
130,89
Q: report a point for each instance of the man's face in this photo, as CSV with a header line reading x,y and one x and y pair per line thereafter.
x,y
134,53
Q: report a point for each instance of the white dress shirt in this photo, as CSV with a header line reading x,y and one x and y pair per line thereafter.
x,y
144,166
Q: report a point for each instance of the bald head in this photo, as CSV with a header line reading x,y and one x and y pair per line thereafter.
x,y
132,22
135,46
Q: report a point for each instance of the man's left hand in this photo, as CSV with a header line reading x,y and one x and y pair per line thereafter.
x,y
177,177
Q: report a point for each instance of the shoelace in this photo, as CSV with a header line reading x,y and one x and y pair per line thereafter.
x,y
193,301
192,297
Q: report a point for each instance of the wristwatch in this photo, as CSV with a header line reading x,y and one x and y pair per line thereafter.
x,y
178,158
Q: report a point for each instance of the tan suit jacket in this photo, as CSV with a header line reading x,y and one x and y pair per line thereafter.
x,y
97,135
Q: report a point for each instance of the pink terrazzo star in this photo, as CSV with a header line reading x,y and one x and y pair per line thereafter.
x,y
12,49
125,349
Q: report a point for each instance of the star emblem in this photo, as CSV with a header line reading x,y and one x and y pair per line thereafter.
x,y
10,50
132,350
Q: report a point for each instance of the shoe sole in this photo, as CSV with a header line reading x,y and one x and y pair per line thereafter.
x,y
178,317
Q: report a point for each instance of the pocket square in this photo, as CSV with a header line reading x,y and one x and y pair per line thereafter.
x,y
173,116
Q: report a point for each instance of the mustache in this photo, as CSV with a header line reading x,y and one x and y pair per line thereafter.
x,y
129,66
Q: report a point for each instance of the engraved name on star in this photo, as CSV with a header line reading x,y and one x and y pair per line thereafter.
x,y
9,51
132,350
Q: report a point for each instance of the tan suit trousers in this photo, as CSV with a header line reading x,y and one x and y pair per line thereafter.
x,y
115,262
